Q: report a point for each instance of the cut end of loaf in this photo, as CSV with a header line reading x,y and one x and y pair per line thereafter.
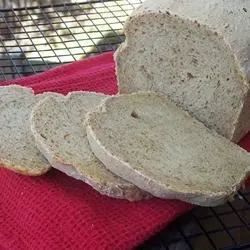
x,y
189,63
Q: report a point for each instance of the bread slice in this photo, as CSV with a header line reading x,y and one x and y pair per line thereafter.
x,y
197,52
146,139
58,127
17,148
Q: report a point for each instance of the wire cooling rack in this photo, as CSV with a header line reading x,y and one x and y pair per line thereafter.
x,y
34,39
37,38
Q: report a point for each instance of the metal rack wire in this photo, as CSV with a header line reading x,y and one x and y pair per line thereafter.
x,y
34,39
225,227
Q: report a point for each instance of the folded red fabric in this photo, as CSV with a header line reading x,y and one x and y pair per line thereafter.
x,y
57,212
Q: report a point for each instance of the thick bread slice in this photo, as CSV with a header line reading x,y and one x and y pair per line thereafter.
x,y
197,52
17,148
58,127
146,139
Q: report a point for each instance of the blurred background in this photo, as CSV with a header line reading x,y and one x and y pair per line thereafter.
x,y
37,35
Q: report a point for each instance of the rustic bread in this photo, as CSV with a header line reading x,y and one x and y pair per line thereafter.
x,y
58,127
17,148
197,52
146,139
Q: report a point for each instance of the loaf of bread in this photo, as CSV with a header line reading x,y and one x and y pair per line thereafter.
x,y
17,148
197,52
146,139
59,130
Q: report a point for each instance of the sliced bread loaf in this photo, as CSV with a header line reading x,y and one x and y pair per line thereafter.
x,y
197,52
146,139
17,148
58,127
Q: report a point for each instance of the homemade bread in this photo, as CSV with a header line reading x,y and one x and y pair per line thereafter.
x,y
146,139
17,148
197,52
58,127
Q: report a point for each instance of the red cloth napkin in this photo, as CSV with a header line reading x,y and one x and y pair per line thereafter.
x,y
57,212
